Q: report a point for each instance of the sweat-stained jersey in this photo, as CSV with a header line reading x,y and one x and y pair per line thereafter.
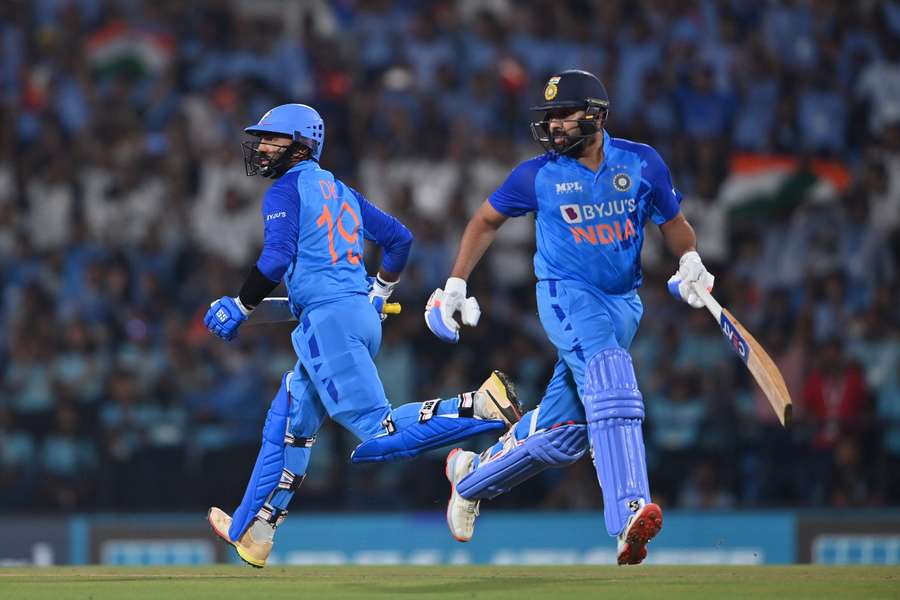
x,y
314,228
590,225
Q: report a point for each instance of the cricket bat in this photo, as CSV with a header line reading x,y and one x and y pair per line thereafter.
x,y
751,352
278,310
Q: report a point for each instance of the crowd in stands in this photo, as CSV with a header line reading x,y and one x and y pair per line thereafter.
x,y
125,210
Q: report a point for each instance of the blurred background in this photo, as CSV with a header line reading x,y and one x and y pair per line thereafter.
x,y
124,210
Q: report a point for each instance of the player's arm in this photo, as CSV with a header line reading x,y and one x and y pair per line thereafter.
x,y
281,228
476,239
678,234
443,303
395,241
514,198
392,236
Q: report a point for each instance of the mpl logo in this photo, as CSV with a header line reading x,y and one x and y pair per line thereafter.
x,y
567,187
571,213
731,333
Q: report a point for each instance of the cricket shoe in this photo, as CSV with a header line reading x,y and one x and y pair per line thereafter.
x,y
642,527
496,399
461,513
253,550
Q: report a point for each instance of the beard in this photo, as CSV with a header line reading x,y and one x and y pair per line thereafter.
x,y
570,145
270,158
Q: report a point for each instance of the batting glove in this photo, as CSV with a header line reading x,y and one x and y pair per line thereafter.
x,y
444,303
224,317
379,292
690,270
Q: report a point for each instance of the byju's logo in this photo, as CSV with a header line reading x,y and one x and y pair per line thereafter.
x,y
571,213
569,186
276,215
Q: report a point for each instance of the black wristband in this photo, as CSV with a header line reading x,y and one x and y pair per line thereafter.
x,y
255,288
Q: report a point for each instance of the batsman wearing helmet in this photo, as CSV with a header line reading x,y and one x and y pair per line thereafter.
x,y
314,228
591,195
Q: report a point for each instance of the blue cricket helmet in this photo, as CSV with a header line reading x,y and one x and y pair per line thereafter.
x,y
299,122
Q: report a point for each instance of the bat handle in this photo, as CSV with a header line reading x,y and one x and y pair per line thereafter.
x,y
711,303
392,308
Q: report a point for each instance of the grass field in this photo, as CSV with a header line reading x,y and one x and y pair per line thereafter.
x,y
524,583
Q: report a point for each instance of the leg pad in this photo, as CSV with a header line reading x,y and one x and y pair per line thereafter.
x,y
269,467
615,412
520,460
412,440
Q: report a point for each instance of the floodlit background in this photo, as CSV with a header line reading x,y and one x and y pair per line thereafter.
x,y
124,210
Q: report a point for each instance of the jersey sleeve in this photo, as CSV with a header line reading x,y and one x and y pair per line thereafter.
x,y
666,200
387,231
516,196
281,226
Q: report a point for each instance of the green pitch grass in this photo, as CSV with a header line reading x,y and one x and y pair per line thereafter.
x,y
482,582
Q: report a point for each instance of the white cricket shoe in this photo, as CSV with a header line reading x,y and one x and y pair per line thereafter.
x,y
642,527
496,399
255,544
461,513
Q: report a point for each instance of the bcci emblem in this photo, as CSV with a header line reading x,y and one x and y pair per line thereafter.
x,y
622,182
551,90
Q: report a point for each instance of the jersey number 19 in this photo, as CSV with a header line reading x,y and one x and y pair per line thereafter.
x,y
333,222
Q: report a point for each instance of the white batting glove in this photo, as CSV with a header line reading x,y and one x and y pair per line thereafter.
x,y
690,270
444,303
379,292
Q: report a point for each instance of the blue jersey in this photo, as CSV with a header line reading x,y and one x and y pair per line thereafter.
x,y
590,225
314,229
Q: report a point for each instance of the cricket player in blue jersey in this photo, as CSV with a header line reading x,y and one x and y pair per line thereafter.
x,y
591,195
314,228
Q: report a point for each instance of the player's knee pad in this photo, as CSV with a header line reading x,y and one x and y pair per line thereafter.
x,y
429,432
615,412
270,473
520,460
610,387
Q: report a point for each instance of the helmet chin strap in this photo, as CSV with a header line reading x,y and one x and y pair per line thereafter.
x,y
576,148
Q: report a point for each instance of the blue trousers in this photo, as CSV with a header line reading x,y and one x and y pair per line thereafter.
x,y
334,376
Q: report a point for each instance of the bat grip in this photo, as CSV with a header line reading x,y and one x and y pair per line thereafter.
x,y
711,303
392,308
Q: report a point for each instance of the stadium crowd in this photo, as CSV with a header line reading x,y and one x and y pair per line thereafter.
x,y
124,210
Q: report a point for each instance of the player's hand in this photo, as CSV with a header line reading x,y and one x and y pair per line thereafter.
x,y
224,317
690,270
444,303
379,292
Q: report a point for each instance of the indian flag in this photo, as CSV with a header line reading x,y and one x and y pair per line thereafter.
x,y
120,48
761,184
